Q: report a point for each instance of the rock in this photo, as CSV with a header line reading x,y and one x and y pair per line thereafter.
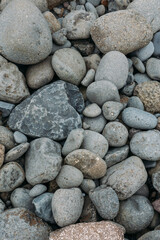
x,y
37,190
150,235
100,10
65,98
140,78
6,108
135,102
72,202
89,213
59,37
54,3
88,79
102,230
95,124
19,137
90,164
92,61
43,208
73,141
115,140
31,48
128,89
111,110
139,119
87,185
46,154
106,201
113,67
69,177
105,30
21,224
143,191
56,47
126,177
94,2
78,24
146,52
6,138
135,214
90,8
85,47
11,177
16,152
156,41
149,164
156,205
2,153
92,110
20,198
137,63
116,155
149,93
155,180
146,145
53,23
2,206
102,91
69,65
152,68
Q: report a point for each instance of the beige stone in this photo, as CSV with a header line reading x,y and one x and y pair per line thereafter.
x,y
92,61
53,23
2,152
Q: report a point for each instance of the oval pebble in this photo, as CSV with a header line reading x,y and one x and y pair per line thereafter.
x,y
95,124
19,137
153,68
135,102
20,198
88,79
146,52
16,152
137,63
37,190
87,185
92,110
111,110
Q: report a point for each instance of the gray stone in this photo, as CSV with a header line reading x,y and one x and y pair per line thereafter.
x,y
20,198
156,42
72,202
126,177
95,124
88,79
29,117
92,110
111,110
92,61
94,2
56,47
46,154
6,108
146,52
137,63
59,37
43,208
156,180
143,191
154,235
146,145
128,89
135,102
87,185
2,206
31,48
19,137
116,155
152,68
149,164
80,7
20,224
102,91
37,190
140,78
6,138
139,119
16,152
135,214
69,65
106,201
69,177
113,67
100,10
115,140
90,8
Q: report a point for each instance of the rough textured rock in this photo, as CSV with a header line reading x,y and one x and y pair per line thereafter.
x,y
155,181
89,213
136,34
37,117
2,153
116,155
150,235
16,152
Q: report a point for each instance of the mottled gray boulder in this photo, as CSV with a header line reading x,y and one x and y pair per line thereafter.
x,y
20,198
154,235
49,112
116,155
6,138
16,152
37,190
16,45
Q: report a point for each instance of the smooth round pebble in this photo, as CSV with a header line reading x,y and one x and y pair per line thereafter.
x,y
137,63
95,124
154,235
19,137
140,78
111,110
146,52
6,138
88,79
16,152
92,110
152,68
37,190
87,185
20,198
90,8
100,10
156,42
135,102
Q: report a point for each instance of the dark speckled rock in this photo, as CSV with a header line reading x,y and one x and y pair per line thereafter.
x,y
49,112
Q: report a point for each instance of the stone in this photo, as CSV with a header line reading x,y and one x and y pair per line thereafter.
x,y
11,176
106,201
146,145
72,202
156,205
54,3
126,177
92,61
102,230
135,214
69,177
156,41
85,47
19,137
94,2
137,63
111,110
146,52
152,68
150,235
73,141
20,224
113,67
90,164
140,78
128,89
155,180
89,213
2,206
92,110
149,93
6,108
95,124
78,24
143,191
46,154
59,37
116,155
100,10
115,140
105,30
37,190
90,8
6,138
20,198
53,23
16,152
56,47
2,153
88,79
135,102
43,208
149,164
69,65
29,117
87,185
31,48
102,91
139,119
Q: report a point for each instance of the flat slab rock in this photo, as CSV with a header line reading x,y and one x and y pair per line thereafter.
x,y
49,112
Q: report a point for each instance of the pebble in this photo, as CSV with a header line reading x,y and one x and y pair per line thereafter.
x,y
116,134
100,10
155,181
2,206
46,154
102,91
72,201
137,63
111,110
95,142
85,47
89,163
95,124
156,205
156,41
135,102
11,176
2,154
34,50
89,213
105,30
128,89
94,2
16,152
150,235
92,61
69,177
37,190
56,47
52,21
116,155
19,137
152,68
59,37
69,65
143,191
146,145
135,214
149,164
90,8
146,52
141,78
6,108
106,201
73,141
43,208
126,177
88,79
113,67
92,110
80,7
87,185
